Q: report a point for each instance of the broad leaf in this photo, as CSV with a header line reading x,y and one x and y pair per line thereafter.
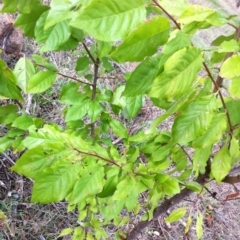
x,y
195,120
41,81
23,122
55,183
134,104
231,67
94,110
25,6
110,20
221,164
176,215
24,71
143,41
89,184
118,128
179,74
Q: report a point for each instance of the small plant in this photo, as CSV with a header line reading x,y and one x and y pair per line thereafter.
x,y
81,163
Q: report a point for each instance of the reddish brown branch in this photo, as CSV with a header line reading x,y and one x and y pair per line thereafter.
x,y
97,156
89,53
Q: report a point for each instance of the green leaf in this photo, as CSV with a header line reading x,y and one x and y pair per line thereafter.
x,y
181,40
32,163
172,82
132,200
109,187
27,21
229,46
55,183
44,62
78,234
143,76
195,120
219,40
41,81
199,226
110,20
194,186
233,109
26,6
221,164
77,111
82,63
23,122
89,184
200,158
134,105
58,36
8,88
118,128
103,48
143,41
234,88
94,110
213,134
176,215
5,143
231,67
234,148
65,232
124,188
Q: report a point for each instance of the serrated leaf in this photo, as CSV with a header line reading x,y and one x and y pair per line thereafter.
x,y
176,215
234,88
24,71
77,111
124,188
143,41
221,164
55,183
94,110
229,46
89,184
133,106
213,134
143,76
195,120
34,161
200,158
172,82
118,128
104,20
27,21
41,81
199,225
231,67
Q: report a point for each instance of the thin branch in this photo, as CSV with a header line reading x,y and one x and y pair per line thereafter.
x,y
221,97
185,152
89,53
169,15
66,76
97,156
94,90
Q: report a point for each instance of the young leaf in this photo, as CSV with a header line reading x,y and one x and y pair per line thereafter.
x,y
41,81
65,232
231,67
229,46
143,41
176,215
110,20
221,164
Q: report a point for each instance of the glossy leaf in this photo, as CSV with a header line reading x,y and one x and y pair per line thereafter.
x,y
104,20
41,81
143,41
